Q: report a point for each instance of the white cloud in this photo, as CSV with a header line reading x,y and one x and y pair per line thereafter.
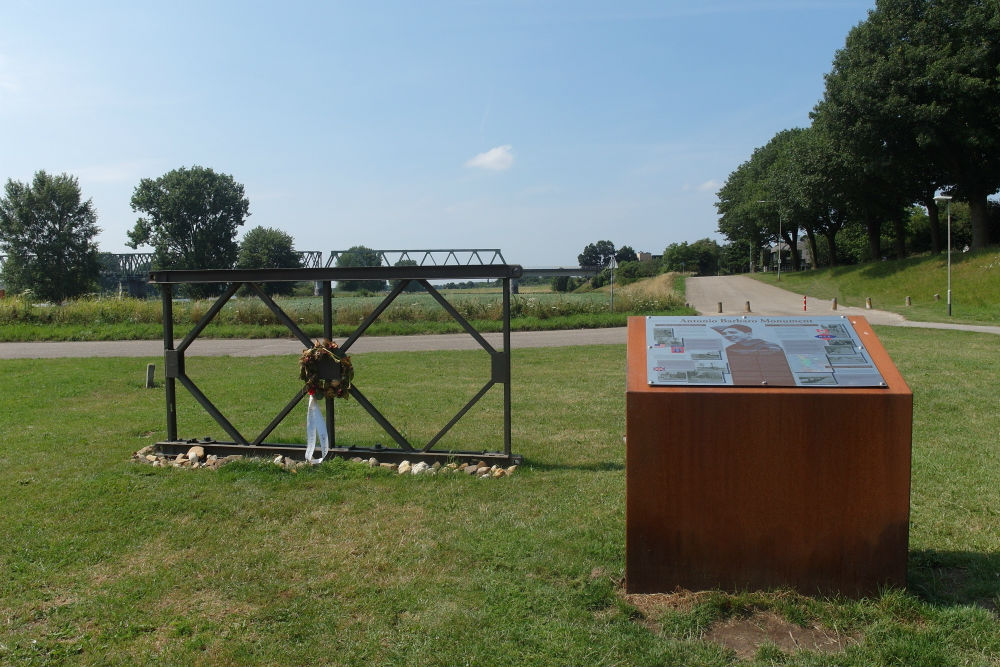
x,y
495,159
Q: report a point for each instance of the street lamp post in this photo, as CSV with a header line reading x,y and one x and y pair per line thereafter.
x,y
779,246
611,265
939,199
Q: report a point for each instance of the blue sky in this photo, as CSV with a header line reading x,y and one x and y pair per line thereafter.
x,y
533,127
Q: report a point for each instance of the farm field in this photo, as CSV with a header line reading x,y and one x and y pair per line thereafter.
x,y
410,313
111,562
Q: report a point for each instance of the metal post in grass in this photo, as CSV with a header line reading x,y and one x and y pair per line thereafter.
x,y
507,362
326,288
166,293
611,266
939,199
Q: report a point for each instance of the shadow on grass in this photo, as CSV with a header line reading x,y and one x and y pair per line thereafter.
x,y
956,577
889,267
603,466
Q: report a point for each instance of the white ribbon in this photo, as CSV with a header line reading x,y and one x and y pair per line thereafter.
x,y
316,427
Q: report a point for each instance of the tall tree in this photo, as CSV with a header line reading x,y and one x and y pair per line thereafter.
x,y
755,205
625,254
915,95
700,257
413,286
269,248
191,218
48,235
739,216
360,255
597,254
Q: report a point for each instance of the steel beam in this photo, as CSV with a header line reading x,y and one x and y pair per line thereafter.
x,y
453,272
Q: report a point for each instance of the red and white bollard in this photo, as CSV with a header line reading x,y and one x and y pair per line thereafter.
x,y
804,302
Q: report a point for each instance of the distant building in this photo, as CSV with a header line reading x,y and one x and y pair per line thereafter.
x,y
805,254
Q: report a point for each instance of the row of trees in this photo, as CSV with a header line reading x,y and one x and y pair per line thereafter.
x,y
704,257
909,110
190,217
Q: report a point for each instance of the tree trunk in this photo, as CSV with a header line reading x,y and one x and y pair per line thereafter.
x,y
793,249
934,218
831,240
874,227
980,222
899,230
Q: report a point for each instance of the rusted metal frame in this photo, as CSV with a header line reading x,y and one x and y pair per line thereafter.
x,y
386,302
469,329
500,361
461,413
279,418
303,338
311,259
213,411
331,423
381,419
207,317
449,272
582,271
506,363
200,396
281,315
223,448
169,384
362,400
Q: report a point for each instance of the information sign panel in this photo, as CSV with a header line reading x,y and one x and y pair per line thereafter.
x,y
821,352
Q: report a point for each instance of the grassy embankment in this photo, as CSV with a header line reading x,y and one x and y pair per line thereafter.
x,y
975,279
411,313
110,562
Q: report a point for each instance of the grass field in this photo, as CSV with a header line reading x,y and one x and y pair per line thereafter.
x,y
975,279
411,313
109,562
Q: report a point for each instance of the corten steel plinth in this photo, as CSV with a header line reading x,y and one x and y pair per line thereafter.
x,y
739,488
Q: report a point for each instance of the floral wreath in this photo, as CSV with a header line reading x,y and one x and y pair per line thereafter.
x,y
311,362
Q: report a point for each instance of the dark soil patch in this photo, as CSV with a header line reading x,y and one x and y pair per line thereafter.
x,y
652,605
745,635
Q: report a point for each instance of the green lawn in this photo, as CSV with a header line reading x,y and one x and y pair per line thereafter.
x,y
975,280
110,562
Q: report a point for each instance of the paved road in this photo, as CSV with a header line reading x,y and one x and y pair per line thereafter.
x,y
210,347
704,294
734,292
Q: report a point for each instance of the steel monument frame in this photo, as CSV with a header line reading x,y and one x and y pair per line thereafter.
x,y
174,357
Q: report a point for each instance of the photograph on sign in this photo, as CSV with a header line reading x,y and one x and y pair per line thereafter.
x,y
758,351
